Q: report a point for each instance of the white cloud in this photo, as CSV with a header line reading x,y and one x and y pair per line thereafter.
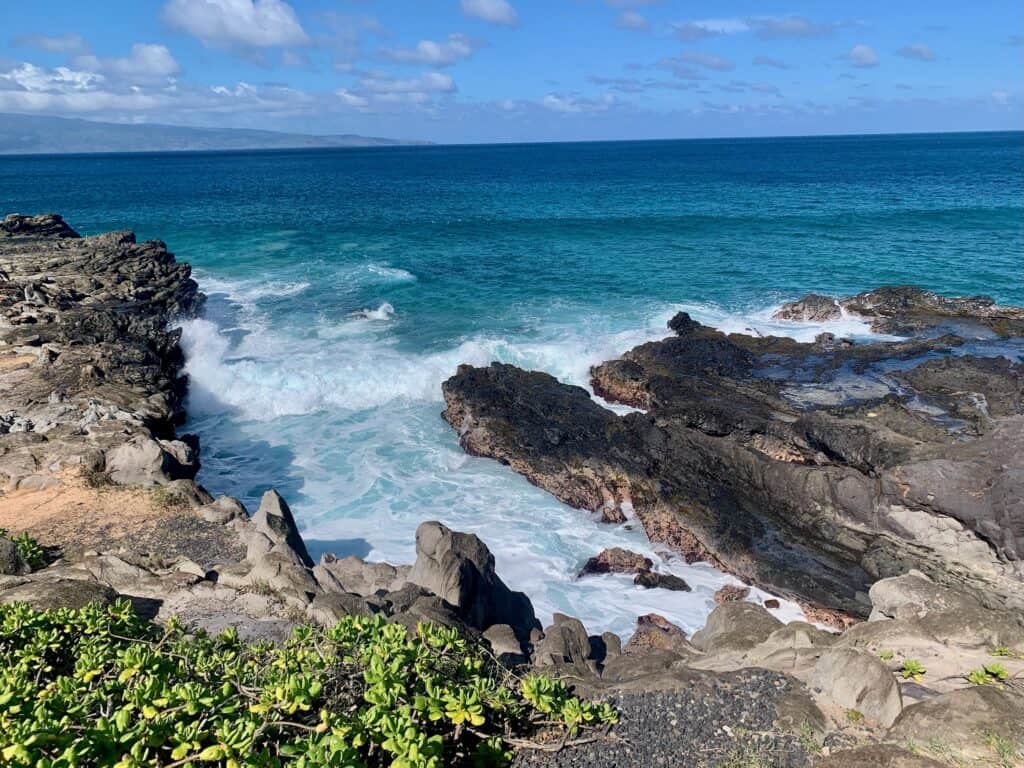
x,y
633,20
246,23
28,77
379,91
53,44
1002,98
862,55
145,61
494,11
767,27
918,51
434,54
578,104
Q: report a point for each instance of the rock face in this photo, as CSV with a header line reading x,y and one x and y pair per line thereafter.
x,y
812,470
459,568
91,374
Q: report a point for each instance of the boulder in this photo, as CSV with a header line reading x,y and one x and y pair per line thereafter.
x,y
223,510
275,521
353,574
656,633
857,680
814,307
735,626
459,568
731,593
505,645
328,609
565,644
973,725
616,560
654,580
951,616
11,561
51,594
141,460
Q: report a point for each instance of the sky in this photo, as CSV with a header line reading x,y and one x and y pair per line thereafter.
x,y
521,70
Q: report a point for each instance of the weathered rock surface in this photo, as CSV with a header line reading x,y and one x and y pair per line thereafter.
x,y
91,373
616,560
808,470
459,568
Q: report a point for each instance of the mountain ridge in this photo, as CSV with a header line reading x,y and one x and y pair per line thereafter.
x,y
35,134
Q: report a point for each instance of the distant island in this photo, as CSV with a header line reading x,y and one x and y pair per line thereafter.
x,y
31,134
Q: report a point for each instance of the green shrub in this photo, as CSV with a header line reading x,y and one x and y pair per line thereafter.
x,y
101,687
990,673
28,548
912,669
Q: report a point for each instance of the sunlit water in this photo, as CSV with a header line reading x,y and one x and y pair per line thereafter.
x,y
346,285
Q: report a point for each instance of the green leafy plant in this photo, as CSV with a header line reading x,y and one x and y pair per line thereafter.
x,y
28,548
912,669
989,674
854,715
101,687
885,655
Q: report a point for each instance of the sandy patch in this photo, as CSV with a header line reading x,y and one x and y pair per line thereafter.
x,y
72,516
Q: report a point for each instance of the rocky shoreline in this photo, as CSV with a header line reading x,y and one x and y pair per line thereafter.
x,y
724,466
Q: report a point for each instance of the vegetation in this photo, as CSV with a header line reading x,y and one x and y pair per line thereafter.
x,y
989,674
28,548
912,669
101,687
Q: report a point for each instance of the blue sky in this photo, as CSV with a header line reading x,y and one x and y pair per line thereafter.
x,y
521,70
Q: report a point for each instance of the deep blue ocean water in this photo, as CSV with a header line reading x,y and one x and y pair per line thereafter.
x,y
346,285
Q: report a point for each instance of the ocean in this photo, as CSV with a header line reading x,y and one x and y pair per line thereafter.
x,y
346,284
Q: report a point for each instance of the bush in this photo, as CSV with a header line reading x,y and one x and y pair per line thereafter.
x,y
101,687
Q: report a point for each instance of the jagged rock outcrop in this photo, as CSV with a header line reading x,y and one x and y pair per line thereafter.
x,y
91,373
810,471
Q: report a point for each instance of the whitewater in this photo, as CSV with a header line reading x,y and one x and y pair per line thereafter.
x,y
360,418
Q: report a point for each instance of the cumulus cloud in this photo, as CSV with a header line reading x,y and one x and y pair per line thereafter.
x,y
918,51
862,55
633,20
639,85
144,61
242,23
28,77
455,48
378,91
494,11
768,61
52,44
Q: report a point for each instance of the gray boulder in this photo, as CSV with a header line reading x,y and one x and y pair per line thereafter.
x,y
329,608
352,574
856,680
951,616
141,460
565,644
11,561
459,568
964,723
275,521
735,626
223,510
50,594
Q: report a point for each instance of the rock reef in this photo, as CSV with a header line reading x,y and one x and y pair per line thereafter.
x,y
811,469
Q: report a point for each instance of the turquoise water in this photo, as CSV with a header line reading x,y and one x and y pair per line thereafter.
x,y
346,285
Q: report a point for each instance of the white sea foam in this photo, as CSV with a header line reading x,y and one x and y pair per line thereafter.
x,y
358,417
390,274
384,312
